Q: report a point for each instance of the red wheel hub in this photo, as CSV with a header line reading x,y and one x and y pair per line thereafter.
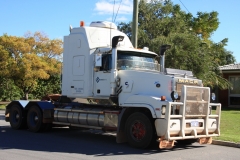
x,y
138,130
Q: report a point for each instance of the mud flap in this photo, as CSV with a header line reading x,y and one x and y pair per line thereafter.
x,y
205,140
165,144
7,117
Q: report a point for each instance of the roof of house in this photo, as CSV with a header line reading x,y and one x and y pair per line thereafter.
x,y
230,67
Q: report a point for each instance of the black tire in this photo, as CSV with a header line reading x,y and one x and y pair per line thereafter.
x,y
34,119
17,119
139,130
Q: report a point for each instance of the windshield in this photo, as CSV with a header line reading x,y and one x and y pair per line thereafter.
x,y
127,60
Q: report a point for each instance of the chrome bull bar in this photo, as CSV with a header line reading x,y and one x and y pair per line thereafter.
x,y
200,123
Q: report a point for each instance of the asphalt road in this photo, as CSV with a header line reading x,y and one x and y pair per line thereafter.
x,y
62,143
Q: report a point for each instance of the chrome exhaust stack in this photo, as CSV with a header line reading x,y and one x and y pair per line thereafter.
x,y
163,48
113,80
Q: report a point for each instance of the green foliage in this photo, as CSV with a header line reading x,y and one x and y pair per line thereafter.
x,y
205,24
126,28
164,23
27,60
46,87
9,91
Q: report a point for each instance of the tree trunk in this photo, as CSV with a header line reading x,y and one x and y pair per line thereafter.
x,y
25,96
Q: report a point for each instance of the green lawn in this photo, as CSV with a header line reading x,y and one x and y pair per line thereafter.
x,y
2,107
230,125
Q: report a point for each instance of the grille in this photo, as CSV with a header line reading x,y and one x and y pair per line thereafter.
x,y
193,108
179,87
197,100
197,93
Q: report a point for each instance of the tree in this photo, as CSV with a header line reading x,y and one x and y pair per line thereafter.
x,y
29,59
47,87
8,91
219,54
205,24
161,22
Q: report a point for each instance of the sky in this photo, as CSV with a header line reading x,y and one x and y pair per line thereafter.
x,y
54,17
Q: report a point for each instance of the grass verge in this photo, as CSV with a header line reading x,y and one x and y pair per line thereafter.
x,y
230,125
2,106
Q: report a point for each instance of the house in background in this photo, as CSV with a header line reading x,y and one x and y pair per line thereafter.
x,y
230,97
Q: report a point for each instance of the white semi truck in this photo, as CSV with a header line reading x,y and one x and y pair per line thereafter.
x,y
124,90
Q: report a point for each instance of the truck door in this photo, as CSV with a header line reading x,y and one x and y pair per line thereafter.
x,y
102,77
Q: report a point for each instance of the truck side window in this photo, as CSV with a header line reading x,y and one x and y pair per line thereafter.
x,y
106,62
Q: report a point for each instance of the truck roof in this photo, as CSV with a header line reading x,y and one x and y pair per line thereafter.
x,y
100,37
136,50
100,33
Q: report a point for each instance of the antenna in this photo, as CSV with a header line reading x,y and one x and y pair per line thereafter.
x,y
111,25
113,20
113,10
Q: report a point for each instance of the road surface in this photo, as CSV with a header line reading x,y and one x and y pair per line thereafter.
x,y
65,144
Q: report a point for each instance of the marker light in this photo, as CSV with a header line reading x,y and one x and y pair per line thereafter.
x,y
174,95
163,98
213,96
82,23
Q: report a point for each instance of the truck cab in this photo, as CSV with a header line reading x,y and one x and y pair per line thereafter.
x,y
126,90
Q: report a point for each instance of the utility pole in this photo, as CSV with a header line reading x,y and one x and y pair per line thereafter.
x,y
135,23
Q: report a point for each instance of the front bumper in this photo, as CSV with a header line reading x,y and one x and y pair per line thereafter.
x,y
178,127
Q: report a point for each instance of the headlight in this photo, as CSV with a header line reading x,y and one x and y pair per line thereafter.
x,y
163,109
174,95
200,108
213,96
188,108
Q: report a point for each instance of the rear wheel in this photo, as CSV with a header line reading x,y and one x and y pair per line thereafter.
x,y
34,119
17,120
139,130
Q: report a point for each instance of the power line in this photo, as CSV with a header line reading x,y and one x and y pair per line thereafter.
x,y
117,10
184,6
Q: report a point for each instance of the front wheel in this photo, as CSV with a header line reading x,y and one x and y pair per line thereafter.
x,y
34,119
139,130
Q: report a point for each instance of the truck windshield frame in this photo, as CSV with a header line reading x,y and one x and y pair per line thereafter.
x,y
130,60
